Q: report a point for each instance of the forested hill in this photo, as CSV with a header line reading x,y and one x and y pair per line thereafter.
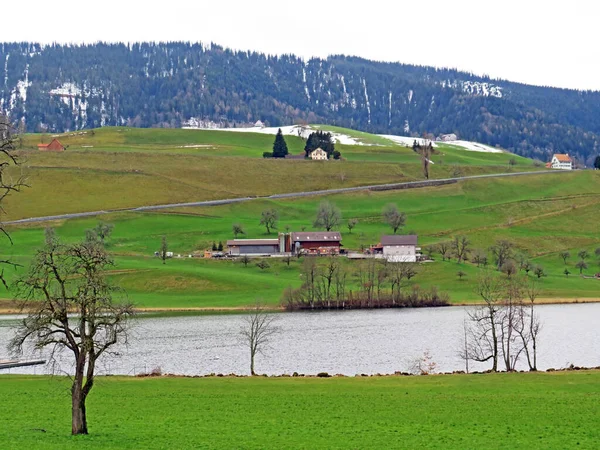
x,y
64,87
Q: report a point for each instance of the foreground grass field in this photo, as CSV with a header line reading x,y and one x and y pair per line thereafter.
x,y
542,215
534,410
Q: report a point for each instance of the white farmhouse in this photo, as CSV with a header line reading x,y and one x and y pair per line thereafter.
x,y
318,155
400,248
563,162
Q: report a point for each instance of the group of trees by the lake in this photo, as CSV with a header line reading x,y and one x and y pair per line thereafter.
x,y
328,283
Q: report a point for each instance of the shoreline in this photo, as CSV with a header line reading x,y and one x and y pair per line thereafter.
x,y
321,375
216,310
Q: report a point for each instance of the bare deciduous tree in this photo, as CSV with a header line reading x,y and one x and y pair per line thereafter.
x,y
351,224
564,256
71,307
423,365
529,325
461,248
256,332
8,183
425,151
509,268
480,258
393,217
443,249
237,230
539,271
100,232
483,342
502,251
506,327
269,218
583,254
328,216
581,265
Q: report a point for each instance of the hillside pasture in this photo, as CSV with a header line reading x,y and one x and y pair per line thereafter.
x,y
542,215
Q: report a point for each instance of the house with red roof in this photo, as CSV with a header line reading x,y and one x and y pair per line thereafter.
x,y
562,162
53,146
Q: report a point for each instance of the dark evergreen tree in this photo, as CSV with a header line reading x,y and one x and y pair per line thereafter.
x,y
279,146
322,140
597,163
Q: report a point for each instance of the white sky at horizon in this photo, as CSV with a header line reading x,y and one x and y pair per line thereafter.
x,y
551,43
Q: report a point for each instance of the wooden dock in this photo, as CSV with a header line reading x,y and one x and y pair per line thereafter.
x,y
5,364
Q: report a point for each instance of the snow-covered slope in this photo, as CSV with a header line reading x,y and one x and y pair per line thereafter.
x,y
302,131
405,141
463,145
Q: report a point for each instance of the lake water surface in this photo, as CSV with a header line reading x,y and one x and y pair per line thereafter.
x,y
344,342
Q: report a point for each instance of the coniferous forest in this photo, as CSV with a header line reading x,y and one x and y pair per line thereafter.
x,y
66,87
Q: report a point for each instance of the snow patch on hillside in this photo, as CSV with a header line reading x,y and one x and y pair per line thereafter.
x,y
6,71
292,130
406,140
475,147
66,90
364,83
20,91
476,88
482,89
462,145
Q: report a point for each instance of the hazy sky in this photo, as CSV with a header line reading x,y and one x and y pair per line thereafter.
x,y
552,42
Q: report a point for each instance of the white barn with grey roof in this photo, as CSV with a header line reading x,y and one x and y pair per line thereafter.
x,y
400,248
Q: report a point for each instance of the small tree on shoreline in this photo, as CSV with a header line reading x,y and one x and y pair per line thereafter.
x,y
257,331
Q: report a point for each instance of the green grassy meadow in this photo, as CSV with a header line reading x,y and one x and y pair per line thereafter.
x,y
533,410
118,167
541,214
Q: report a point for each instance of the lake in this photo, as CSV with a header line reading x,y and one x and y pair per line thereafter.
x,y
341,342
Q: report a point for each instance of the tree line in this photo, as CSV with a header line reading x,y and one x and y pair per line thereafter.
x,y
506,328
328,217
328,284
166,84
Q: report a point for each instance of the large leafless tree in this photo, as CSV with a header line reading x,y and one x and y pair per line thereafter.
x,y
71,307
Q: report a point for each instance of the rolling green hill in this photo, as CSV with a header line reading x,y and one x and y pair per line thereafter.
x,y
115,168
542,215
